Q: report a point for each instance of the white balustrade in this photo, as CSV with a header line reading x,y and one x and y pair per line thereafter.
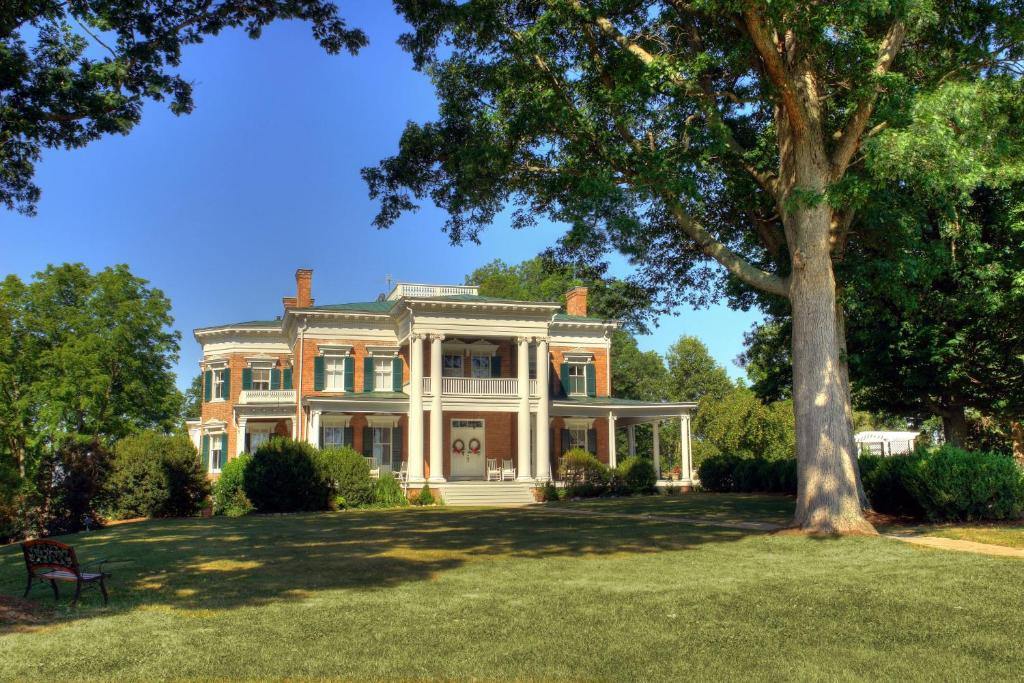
x,y
475,386
404,289
249,396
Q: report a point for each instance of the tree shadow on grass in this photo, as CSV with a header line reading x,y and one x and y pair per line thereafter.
x,y
204,565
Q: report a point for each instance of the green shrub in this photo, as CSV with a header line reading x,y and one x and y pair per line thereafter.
x,y
886,483
387,492
729,473
155,475
955,485
72,482
584,475
638,475
347,475
229,492
424,497
548,492
284,477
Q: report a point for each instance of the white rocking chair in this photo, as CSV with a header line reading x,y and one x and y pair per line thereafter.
x,y
508,472
493,470
402,475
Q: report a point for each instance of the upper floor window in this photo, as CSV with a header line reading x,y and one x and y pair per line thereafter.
x,y
219,393
383,373
577,379
452,365
260,379
481,366
334,373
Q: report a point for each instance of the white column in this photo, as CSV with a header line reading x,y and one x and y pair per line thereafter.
x,y
543,447
612,459
416,409
313,434
684,449
436,414
523,416
656,430
631,433
240,436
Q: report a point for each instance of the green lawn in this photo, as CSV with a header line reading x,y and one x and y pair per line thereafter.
x,y
1011,535
517,594
738,507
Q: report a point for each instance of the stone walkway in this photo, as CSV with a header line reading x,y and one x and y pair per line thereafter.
x,y
959,545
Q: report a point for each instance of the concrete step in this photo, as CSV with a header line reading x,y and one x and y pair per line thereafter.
x,y
484,493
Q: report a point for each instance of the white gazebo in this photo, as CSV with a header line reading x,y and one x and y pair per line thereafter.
x,y
886,443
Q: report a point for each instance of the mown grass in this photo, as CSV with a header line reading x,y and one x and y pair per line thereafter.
x,y
517,594
737,507
1011,535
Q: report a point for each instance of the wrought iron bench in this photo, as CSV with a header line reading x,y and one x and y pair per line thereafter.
x,y
52,561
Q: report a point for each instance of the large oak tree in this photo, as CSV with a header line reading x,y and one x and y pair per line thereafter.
x,y
691,133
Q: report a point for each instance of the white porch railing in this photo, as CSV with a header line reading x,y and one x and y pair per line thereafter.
x,y
250,396
478,386
410,289
533,387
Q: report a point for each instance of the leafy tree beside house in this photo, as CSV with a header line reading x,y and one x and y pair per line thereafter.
x,y
726,132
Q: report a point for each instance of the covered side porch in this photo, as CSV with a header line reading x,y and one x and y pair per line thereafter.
x,y
626,414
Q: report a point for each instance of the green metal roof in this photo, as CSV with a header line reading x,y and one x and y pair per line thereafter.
x,y
359,307
565,317
610,400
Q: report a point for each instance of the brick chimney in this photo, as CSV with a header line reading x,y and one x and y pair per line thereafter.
x,y
303,288
576,301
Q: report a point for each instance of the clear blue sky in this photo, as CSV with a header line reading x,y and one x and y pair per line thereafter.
x,y
219,208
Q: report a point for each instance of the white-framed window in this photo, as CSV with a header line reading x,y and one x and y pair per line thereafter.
x,y
577,379
257,438
383,369
481,366
382,440
578,438
334,373
334,437
261,379
452,366
216,452
218,385
467,424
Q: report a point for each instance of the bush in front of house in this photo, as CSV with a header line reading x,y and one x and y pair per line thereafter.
x,y
347,475
637,474
284,476
732,474
155,475
584,475
946,484
388,493
424,497
229,496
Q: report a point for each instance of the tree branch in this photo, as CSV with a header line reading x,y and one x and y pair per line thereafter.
x,y
776,70
850,138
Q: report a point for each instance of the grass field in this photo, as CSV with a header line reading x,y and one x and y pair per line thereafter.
x,y
1011,535
519,594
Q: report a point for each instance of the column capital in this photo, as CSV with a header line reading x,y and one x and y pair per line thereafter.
x,y
436,336
417,336
524,340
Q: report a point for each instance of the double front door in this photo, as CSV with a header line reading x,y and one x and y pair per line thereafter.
x,y
466,449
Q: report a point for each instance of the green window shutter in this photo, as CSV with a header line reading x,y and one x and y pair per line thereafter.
x,y
318,373
565,379
592,441
226,376
591,380
223,450
206,452
565,440
286,375
368,441
246,379
275,379
396,374
396,447
350,374
208,386
368,373
346,437
496,366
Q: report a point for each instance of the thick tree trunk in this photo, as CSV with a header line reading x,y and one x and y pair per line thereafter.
x,y
1017,435
954,426
828,500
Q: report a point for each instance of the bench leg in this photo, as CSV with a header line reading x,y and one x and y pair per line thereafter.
x,y
56,593
28,587
103,589
78,592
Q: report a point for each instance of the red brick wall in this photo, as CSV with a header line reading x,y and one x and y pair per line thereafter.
x,y
600,367
600,426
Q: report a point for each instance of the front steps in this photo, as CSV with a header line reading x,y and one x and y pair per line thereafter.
x,y
483,493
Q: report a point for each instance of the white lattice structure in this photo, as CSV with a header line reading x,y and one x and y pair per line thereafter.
x,y
886,443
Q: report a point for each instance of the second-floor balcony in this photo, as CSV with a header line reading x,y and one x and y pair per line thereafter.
x,y
478,386
266,396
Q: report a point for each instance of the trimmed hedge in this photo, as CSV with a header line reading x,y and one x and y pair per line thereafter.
x,y
946,484
347,475
733,474
229,496
284,477
637,474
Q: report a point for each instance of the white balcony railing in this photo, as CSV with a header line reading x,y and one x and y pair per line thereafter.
x,y
410,289
250,396
478,386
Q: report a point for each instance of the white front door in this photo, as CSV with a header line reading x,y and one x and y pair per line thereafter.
x,y
466,449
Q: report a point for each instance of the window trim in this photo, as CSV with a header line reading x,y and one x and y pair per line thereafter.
x,y
218,385
575,378
216,444
473,364
338,360
383,380
461,365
